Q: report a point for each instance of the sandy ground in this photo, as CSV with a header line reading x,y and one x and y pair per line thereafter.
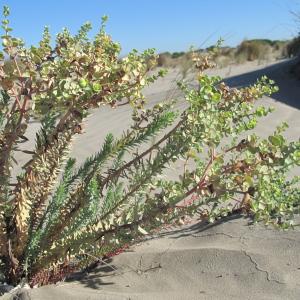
x,y
229,260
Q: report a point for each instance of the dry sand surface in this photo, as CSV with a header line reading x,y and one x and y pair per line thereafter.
x,y
228,260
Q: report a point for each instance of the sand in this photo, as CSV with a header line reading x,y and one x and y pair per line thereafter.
x,y
227,260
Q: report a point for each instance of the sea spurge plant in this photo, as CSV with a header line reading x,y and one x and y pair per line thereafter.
x,y
57,217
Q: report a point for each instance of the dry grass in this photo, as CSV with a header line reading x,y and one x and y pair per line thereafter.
x,y
252,50
248,50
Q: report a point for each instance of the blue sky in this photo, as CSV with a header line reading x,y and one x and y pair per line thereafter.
x,y
167,25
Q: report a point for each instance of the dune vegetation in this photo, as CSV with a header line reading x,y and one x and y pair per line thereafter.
x,y
57,217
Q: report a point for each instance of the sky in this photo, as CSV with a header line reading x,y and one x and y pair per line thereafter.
x,y
167,25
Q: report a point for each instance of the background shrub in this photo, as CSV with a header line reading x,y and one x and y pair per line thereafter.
x,y
293,47
253,50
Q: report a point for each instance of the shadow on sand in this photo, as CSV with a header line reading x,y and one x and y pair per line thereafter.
x,y
289,85
92,277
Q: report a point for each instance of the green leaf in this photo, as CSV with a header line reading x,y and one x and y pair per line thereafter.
x,y
261,111
276,140
296,157
216,97
249,180
96,87
5,11
251,124
83,83
104,18
5,42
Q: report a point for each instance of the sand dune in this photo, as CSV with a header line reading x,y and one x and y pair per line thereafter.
x,y
228,260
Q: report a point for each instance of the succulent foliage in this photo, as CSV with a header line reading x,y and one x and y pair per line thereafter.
x,y
57,216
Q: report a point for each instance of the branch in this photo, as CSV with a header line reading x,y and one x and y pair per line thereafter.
x,y
201,183
140,156
35,185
